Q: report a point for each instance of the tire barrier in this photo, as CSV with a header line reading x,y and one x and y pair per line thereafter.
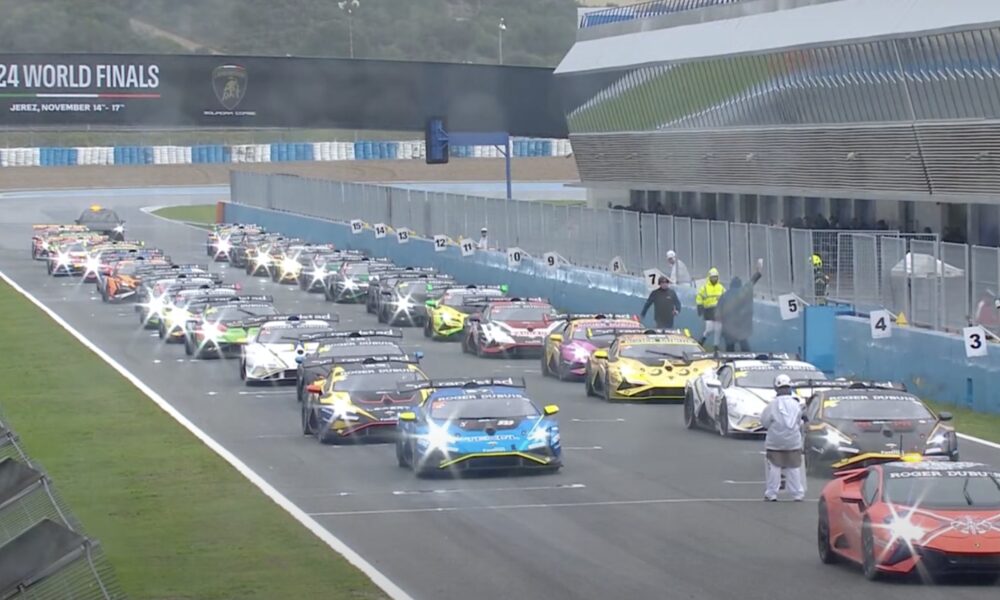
x,y
50,156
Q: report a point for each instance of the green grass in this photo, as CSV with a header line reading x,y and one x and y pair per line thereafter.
x,y
175,519
980,425
194,213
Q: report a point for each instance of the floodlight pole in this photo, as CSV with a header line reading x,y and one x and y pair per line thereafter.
x,y
500,29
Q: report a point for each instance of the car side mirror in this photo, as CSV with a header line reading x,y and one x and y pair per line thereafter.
x,y
600,354
407,417
946,416
556,337
473,318
550,410
314,388
713,383
431,303
852,498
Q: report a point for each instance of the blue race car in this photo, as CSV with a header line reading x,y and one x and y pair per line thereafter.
x,y
477,424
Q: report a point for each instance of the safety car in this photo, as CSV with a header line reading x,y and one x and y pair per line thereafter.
x,y
731,396
477,424
569,345
361,397
649,365
103,220
272,354
221,328
514,327
446,315
903,514
851,418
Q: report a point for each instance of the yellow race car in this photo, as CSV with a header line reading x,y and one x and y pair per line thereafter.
x,y
652,365
362,397
446,315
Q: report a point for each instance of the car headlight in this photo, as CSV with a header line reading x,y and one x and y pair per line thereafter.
x,y
497,335
835,439
941,439
404,304
538,437
93,264
902,528
438,438
579,354
289,265
350,285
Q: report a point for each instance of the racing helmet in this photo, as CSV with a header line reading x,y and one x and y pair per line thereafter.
x,y
782,381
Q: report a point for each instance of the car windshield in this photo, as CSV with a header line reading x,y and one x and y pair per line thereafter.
x,y
521,313
416,287
370,382
287,335
665,351
974,488
874,408
457,301
235,313
356,268
488,407
602,336
764,377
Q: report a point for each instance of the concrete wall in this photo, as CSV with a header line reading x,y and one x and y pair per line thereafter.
x,y
932,364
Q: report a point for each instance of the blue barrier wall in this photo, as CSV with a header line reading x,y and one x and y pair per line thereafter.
x,y
932,364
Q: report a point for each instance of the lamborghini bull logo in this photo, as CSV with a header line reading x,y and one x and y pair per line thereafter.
x,y
230,85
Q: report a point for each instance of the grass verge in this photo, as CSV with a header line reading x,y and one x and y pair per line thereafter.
x,y
175,519
193,213
980,425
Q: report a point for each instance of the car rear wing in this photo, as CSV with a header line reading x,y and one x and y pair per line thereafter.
x,y
231,300
598,316
609,331
410,386
842,384
734,356
655,332
863,461
479,300
357,333
377,359
287,318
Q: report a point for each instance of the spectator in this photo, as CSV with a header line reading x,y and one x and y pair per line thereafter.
x,y
735,312
666,305
677,271
484,240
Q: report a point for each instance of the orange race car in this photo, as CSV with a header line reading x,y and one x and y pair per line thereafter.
x,y
907,514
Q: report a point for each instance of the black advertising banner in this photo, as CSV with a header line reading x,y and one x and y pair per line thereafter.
x,y
233,91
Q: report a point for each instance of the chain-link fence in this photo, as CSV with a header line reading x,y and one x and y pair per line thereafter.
x,y
936,285
44,551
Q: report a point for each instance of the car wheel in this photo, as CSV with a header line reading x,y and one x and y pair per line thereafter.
x,y
722,420
401,459
690,421
161,329
868,563
307,420
826,554
545,365
243,370
606,389
428,330
588,384
188,346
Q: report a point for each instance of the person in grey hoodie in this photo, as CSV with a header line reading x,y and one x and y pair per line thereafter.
x,y
783,420
735,312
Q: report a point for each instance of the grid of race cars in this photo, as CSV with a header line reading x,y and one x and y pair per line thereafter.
x,y
899,500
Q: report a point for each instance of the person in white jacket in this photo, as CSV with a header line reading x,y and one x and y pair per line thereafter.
x,y
783,444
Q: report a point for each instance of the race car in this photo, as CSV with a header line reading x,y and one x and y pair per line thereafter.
x,y
477,424
46,236
263,252
102,257
903,514
296,260
224,236
569,345
651,365
70,258
223,328
384,280
446,315
271,356
186,304
850,418
348,280
404,303
159,295
125,279
315,367
730,397
361,397
103,220
514,327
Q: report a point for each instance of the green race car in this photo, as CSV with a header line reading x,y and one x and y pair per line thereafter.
x,y
221,331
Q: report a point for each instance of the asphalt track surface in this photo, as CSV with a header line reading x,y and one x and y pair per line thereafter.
x,y
642,508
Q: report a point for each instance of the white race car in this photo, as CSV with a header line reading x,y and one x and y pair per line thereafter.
x,y
730,398
272,355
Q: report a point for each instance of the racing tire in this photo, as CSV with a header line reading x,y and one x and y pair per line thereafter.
x,y
189,347
243,371
308,426
382,318
868,564
722,420
401,459
826,554
606,389
428,330
588,385
161,330
545,366
104,294
690,419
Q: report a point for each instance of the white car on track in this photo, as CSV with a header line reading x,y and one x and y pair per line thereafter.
x,y
731,397
272,355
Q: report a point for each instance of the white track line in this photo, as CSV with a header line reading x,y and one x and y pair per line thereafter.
x,y
970,438
377,577
442,509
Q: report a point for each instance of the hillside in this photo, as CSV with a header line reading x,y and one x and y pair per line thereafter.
x,y
538,32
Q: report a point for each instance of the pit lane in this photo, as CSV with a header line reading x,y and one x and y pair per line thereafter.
x,y
642,509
